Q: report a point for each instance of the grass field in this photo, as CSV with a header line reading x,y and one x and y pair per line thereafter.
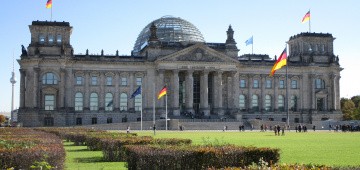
x,y
328,148
79,158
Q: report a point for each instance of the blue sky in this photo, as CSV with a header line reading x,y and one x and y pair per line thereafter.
x,y
115,25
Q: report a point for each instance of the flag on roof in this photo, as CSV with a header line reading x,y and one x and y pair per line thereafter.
x,y
306,17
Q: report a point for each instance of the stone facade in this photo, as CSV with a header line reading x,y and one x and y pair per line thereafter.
x,y
204,80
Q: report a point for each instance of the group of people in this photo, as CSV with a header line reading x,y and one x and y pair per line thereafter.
x,y
344,128
277,129
302,128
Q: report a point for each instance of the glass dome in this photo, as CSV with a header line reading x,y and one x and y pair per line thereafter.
x,y
169,29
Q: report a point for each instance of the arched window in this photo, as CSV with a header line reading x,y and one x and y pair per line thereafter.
x,y
281,103
49,78
123,102
255,102
268,103
79,101
94,101
109,102
242,102
293,103
138,102
319,83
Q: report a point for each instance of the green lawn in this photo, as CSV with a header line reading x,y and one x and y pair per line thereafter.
x,y
79,158
328,148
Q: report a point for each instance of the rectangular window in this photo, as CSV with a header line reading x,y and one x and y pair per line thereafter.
x,y
108,81
138,81
79,80
58,39
50,39
94,80
268,84
41,38
123,81
256,84
49,102
282,84
293,84
242,83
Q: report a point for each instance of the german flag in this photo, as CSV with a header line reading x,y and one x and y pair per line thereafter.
x,y
306,17
162,92
49,4
280,62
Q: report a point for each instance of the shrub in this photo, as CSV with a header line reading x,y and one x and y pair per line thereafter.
x,y
194,157
20,148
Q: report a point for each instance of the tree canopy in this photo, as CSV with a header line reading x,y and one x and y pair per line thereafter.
x,y
351,108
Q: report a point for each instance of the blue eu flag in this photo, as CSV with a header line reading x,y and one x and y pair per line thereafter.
x,y
136,92
249,41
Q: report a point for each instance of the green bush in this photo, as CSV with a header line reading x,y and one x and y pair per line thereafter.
x,y
20,148
195,157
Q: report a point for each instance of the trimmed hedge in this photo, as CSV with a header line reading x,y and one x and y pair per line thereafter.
x,y
20,148
113,149
195,157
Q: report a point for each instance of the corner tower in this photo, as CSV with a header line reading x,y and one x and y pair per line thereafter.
x,y
312,48
50,39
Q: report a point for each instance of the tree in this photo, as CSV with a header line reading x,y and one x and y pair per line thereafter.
x,y
351,108
2,119
356,100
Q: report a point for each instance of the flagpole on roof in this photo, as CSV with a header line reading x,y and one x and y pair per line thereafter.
x,y
252,45
309,22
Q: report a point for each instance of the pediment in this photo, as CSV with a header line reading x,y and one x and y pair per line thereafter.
x,y
197,53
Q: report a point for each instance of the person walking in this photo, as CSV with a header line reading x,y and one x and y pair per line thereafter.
x,y
154,129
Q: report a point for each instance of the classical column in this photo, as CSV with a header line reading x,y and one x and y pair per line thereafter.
x,y
22,88
236,93
204,93
276,91
175,105
189,90
87,91
36,88
262,97
61,89
312,87
249,98
337,90
69,82
132,89
219,96
161,102
116,102
102,84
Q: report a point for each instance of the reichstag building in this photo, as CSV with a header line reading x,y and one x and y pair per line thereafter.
x,y
204,80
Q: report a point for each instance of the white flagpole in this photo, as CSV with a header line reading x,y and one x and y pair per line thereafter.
x,y
287,89
166,126
154,105
141,111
